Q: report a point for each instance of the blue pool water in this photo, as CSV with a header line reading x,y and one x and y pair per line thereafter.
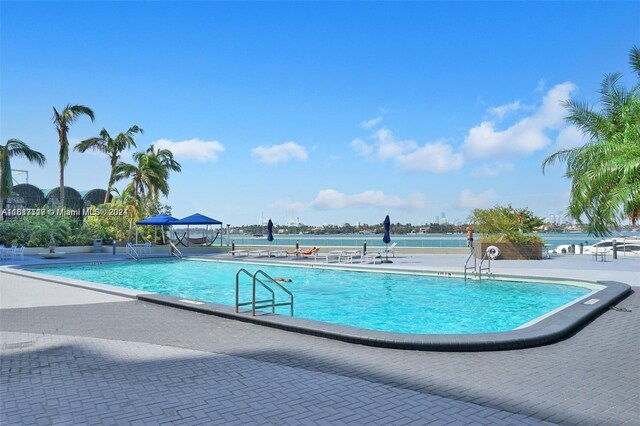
x,y
375,301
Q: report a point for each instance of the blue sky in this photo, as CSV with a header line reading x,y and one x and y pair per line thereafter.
x,y
329,112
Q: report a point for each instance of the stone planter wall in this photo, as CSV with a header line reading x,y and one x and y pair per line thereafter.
x,y
511,251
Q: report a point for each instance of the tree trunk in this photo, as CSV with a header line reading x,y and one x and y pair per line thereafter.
x,y
61,184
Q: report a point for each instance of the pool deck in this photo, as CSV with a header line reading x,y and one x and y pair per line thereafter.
x,y
71,355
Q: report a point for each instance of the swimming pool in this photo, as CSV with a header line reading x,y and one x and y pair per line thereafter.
x,y
388,302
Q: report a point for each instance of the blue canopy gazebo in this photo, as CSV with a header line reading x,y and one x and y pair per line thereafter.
x,y
161,219
197,219
157,220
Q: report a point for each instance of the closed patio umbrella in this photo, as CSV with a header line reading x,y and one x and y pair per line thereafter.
x,y
387,237
270,231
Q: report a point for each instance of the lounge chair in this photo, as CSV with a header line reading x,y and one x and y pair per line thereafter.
x,y
349,255
304,253
372,256
259,252
389,250
238,253
336,254
277,253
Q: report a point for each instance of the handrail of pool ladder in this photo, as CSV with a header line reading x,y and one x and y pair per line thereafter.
x,y
466,267
271,281
265,303
487,268
175,251
131,251
253,302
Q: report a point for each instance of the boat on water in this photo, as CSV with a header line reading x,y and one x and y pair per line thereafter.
x,y
626,245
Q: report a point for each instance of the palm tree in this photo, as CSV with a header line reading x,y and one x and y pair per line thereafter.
x,y
130,203
62,121
14,148
147,175
165,157
605,172
112,147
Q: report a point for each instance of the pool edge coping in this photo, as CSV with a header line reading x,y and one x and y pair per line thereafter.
x,y
549,330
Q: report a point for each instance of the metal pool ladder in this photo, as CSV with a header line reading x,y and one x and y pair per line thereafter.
x,y
477,271
174,250
267,283
131,251
487,268
466,264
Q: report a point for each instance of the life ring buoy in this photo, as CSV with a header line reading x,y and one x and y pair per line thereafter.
x,y
493,252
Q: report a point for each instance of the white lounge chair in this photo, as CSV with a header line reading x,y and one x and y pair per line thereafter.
x,y
372,256
389,250
350,255
335,254
238,253
277,253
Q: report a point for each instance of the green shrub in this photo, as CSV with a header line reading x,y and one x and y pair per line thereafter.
x,y
506,224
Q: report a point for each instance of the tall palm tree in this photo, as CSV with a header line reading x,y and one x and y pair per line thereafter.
x,y
165,157
62,121
605,172
112,147
147,175
14,148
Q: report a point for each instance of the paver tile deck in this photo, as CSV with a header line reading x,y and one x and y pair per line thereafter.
x,y
104,359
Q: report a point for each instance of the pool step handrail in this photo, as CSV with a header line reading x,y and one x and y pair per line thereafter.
x,y
486,256
175,251
131,251
253,301
265,303
271,281
466,264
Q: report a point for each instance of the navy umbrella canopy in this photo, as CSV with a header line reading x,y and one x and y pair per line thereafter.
x,y
387,238
270,231
387,227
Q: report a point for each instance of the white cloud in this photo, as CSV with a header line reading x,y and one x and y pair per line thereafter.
x,y
525,136
492,170
371,123
330,199
435,157
502,110
469,200
276,154
390,147
361,148
570,137
192,149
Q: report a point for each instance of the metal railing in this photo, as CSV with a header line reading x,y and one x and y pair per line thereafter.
x,y
466,264
131,251
175,251
488,267
265,303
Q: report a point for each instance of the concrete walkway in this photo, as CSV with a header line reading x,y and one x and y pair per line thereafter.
x,y
75,356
